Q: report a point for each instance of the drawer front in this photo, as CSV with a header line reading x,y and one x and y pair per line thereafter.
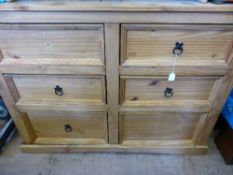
x,y
60,41
46,87
139,92
151,46
58,127
39,48
160,128
58,92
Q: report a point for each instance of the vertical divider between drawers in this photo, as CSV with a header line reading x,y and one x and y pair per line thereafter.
x,y
112,32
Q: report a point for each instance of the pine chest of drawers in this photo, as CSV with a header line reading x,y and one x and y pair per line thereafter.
x,y
93,76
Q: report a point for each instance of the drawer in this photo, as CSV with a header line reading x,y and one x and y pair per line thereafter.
x,y
38,48
59,127
148,93
147,49
160,128
34,92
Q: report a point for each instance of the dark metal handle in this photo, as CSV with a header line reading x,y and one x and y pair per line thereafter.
x,y
58,90
168,92
178,49
67,128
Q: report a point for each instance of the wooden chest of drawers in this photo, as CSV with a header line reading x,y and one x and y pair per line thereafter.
x,y
93,76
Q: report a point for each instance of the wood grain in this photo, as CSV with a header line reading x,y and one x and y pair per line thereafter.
x,y
116,17
112,76
151,89
52,45
108,5
111,58
87,128
179,149
20,119
183,68
52,41
221,95
165,106
158,126
41,87
68,105
154,43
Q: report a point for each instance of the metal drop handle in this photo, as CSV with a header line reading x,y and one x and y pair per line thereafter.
x,y
67,128
58,90
168,92
178,49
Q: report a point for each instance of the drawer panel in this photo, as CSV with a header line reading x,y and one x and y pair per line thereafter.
x,y
58,127
206,49
43,46
58,91
139,92
42,87
159,128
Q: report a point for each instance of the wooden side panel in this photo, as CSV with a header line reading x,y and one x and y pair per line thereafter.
x,y
152,88
162,127
20,119
50,126
219,96
41,87
112,32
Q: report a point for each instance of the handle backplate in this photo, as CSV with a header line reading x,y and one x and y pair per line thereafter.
x,y
168,92
58,90
178,48
67,128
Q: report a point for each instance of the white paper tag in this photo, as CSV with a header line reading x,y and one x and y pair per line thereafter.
x,y
172,76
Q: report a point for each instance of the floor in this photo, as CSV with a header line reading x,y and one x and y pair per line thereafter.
x,y
13,162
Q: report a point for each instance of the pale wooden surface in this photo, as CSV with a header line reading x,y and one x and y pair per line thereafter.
x,y
50,45
112,76
165,106
150,46
69,105
152,88
173,17
221,95
155,42
107,5
52,66
47,41
87,128
162,149
41,87
113,58
158,127
183,68
20,119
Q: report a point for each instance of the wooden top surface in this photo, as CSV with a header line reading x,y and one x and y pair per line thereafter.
x,y
126,5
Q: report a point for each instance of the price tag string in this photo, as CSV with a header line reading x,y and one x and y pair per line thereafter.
x,y
172,75
177,50
174,63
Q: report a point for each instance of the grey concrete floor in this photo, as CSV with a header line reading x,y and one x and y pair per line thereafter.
x,y
13,162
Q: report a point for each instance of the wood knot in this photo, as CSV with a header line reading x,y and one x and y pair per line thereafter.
x,y
153,83
16,56
213,55
134,99
132,54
